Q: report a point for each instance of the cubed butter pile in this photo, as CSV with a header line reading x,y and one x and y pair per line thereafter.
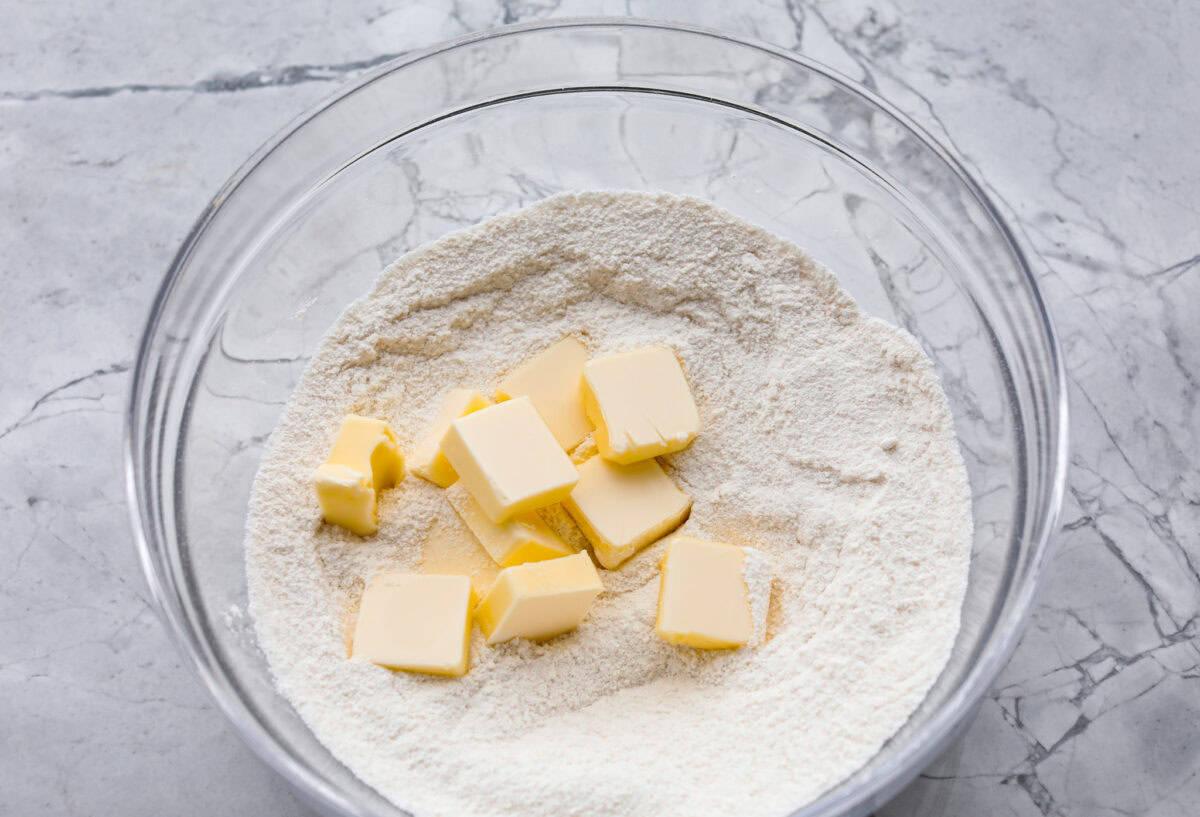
x,y
564,429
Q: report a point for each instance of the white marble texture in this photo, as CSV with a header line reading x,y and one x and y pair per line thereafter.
x,y
119,119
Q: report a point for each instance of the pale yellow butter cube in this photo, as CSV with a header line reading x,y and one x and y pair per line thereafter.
x,y
623,508
640,404
415,622
347,498
508,459
553,381
368,446
427,460
539,600
524,538
712,595
365,460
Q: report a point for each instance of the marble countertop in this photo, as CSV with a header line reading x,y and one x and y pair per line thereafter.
x,y
119,120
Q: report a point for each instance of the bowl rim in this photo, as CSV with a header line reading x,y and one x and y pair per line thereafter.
x,y
928,740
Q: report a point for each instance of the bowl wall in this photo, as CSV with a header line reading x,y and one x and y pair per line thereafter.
x,y
490,124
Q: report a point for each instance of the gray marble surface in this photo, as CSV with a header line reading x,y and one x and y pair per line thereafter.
x,y
119,120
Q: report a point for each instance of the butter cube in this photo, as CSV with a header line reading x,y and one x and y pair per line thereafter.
x,y
508,459
553,381
368,446
347,499
539,600
415,622
365,460
640,404
712,596
524,538
428,461
623,508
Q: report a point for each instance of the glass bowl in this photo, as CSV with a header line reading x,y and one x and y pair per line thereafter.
x,y
442,139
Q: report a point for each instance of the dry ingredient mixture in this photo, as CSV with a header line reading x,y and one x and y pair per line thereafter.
x,y
826,443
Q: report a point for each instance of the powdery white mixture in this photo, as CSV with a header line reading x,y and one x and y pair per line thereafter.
x,y
826,443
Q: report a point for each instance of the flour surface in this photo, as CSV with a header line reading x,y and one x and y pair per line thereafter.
x,y
826,443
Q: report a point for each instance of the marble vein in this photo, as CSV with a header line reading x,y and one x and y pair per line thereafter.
x,y
266,78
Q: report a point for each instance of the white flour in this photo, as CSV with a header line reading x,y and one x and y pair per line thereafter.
x,y
826,443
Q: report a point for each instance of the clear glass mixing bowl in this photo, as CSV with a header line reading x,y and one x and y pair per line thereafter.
x,y
443,139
